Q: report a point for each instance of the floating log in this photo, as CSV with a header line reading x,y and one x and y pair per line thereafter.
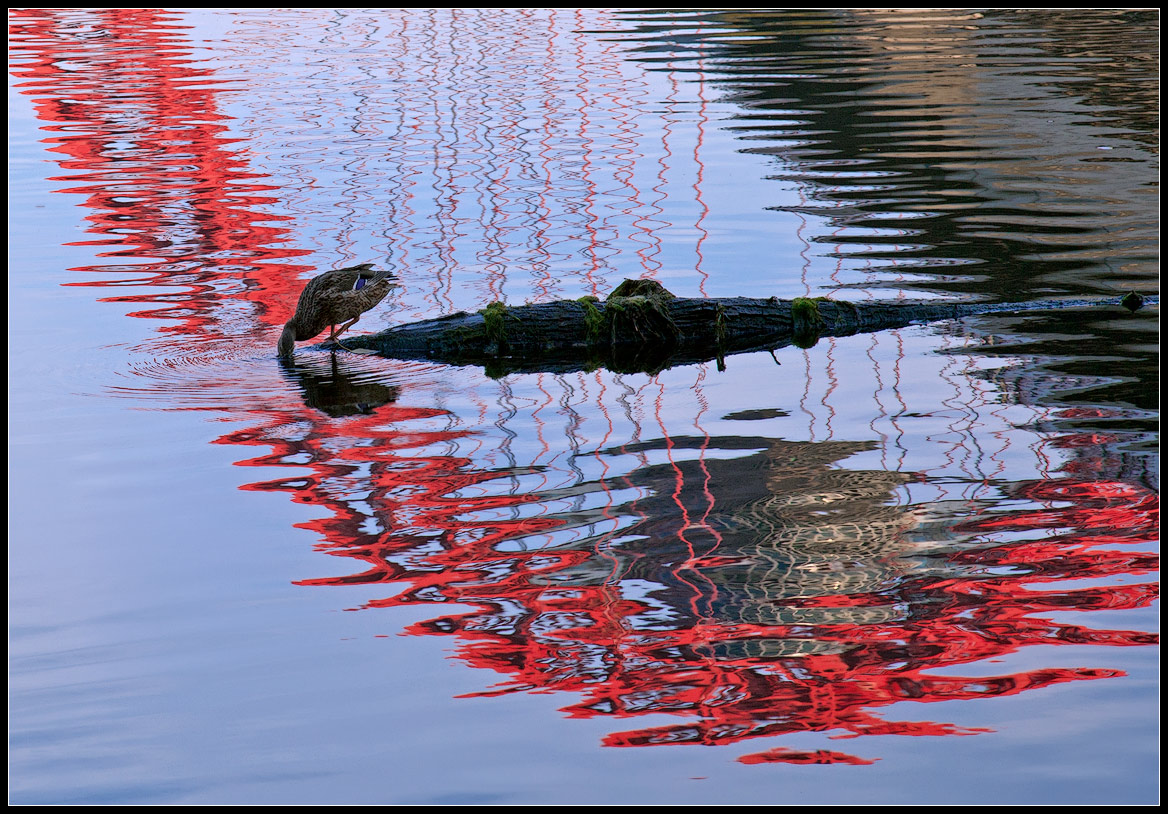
x,y
642,327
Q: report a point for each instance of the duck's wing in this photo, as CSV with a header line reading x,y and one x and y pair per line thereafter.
x,y
335,280
369,276
353,278
326,291
359,294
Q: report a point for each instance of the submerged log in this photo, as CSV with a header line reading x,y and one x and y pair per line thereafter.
x,y
641,327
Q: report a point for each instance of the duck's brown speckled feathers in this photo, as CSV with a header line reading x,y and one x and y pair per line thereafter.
x,y
337,297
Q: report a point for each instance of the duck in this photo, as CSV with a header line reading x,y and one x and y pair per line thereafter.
x,y
337,297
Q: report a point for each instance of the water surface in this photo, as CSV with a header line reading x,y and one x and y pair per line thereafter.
x,y
880,569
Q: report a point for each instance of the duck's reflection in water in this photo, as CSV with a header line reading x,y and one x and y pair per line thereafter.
x,y
335,388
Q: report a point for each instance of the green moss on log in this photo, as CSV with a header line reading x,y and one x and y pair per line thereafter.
x,y
806,321
1132,301
639,310
720,322
641,288
495,317
805,313
593,319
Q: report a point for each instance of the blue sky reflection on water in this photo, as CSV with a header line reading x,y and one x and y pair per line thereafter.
x,y
921,558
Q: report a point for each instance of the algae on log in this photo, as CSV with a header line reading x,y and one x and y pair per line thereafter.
x,y
641,327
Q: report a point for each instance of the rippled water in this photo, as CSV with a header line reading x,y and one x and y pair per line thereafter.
x,y
923,559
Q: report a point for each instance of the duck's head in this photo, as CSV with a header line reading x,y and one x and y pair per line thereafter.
x,y
287,342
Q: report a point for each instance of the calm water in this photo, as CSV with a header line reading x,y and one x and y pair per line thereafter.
x,y
912,566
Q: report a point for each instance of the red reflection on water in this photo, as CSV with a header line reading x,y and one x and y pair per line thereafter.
x,y
384,494
735,679
138,129
742,595
820,756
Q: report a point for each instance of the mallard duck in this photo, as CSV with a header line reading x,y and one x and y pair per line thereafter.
x,y
330,299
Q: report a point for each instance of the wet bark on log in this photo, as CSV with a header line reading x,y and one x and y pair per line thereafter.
x,y
641,327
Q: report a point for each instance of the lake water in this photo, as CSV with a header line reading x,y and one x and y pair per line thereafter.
x,y
914,566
